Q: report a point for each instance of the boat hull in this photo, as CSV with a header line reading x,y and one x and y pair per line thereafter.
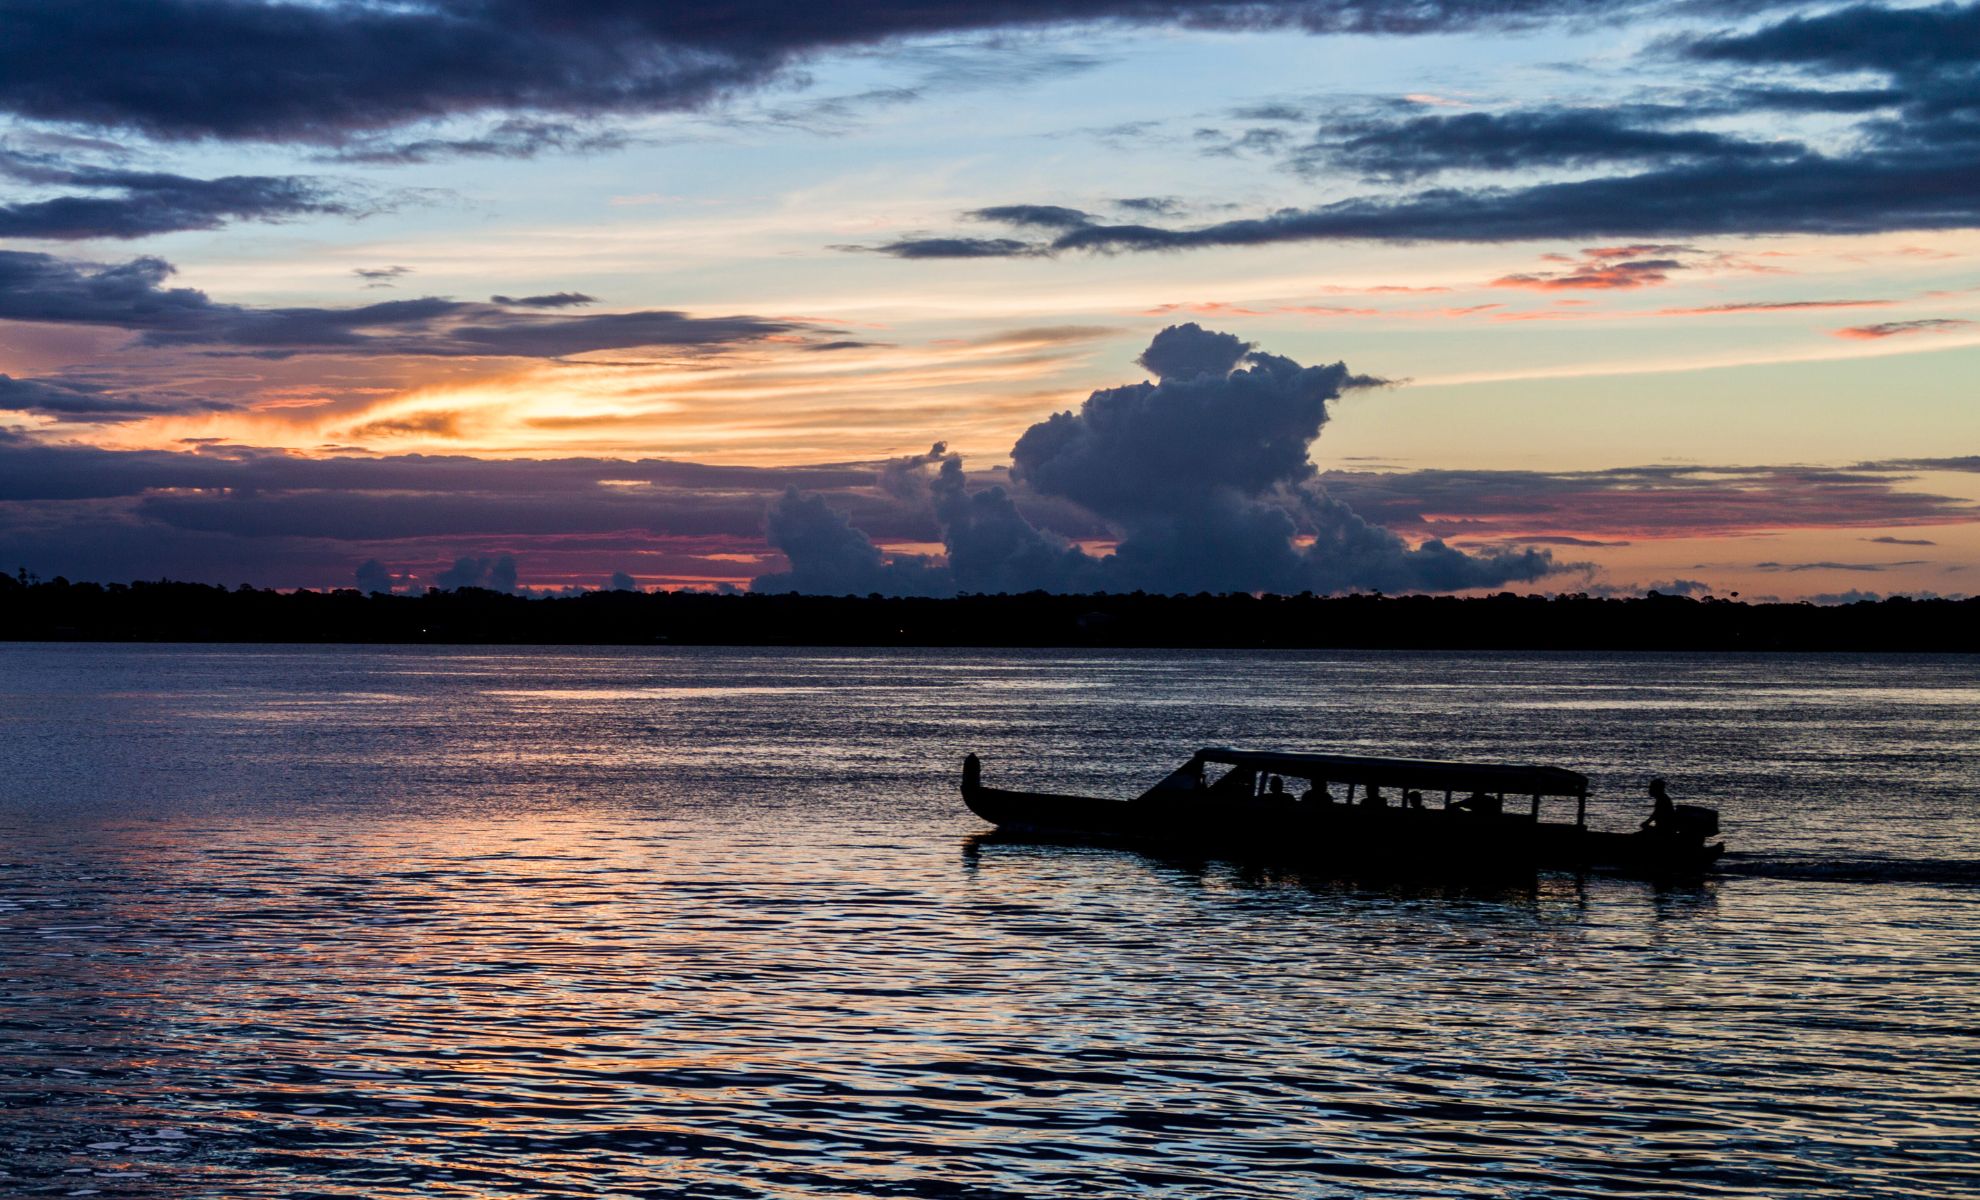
x,y
1386,839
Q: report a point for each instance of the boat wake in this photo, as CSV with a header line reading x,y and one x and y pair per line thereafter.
x,y
1955,872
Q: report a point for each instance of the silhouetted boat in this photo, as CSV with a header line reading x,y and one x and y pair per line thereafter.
x,y
1410,816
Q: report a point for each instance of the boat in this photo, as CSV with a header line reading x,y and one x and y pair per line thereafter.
x,y
1395,815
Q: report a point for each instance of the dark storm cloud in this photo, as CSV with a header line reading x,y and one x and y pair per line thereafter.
x,y
1908,164
133,296
332,72
1202,475
143,203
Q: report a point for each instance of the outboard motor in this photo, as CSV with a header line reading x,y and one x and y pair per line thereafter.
x,y
973,774
1695,821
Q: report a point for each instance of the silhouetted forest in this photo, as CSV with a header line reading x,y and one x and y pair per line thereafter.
x,y
189,612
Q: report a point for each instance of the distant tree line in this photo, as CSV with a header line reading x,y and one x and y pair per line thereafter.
x,y
58,610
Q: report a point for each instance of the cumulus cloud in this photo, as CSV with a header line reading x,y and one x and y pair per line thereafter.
x,y
375,578
1669,587
1202,475
496,573
828,556
226,513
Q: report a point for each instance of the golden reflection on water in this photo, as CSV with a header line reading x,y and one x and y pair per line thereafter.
x,y
713,923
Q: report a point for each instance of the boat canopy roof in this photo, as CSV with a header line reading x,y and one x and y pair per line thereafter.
x,y
1422,774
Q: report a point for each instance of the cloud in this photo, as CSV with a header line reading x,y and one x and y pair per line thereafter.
x,y
828,556
1836,566
1811,194
1640,503
497,573
1898,541
1039,216
1419,146
81,401
955,247
146,203
1668,587
375,578
1886,329
133,296
380,277
1647,172
338,73
1771,306
621,582
1202,474
551,300
1863,37
516,137
1606,268
226,514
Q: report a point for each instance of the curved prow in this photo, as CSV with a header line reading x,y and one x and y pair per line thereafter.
x,y
972,773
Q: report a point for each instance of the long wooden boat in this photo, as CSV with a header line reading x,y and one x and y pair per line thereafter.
x,y
1395,815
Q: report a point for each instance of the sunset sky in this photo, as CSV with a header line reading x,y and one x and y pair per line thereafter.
x,y
1680,294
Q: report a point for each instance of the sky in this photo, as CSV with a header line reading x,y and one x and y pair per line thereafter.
x,y
1332,295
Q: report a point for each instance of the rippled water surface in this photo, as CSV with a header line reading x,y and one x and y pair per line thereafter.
x,y
713,923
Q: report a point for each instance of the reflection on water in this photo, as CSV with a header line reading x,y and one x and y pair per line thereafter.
x,y
283,923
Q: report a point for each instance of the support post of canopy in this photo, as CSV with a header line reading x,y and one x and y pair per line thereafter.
x,y
1581,809
1536,806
